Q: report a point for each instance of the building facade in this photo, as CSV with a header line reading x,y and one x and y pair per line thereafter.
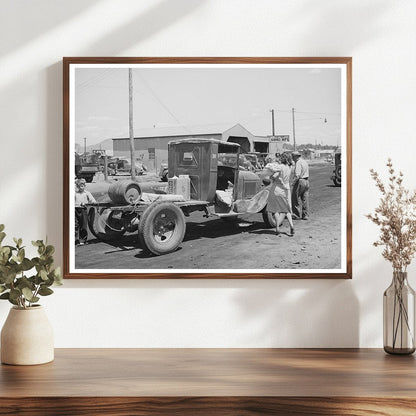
x,y
151,145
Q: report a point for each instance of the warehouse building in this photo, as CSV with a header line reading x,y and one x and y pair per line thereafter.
x,y
151,145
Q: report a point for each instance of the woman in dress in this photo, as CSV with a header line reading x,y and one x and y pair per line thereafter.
x,y
278,202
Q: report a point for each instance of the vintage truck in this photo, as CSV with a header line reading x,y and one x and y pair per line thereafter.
x,y
217,187
86,166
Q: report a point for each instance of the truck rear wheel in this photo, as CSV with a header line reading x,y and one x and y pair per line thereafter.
x,y
162,228
337,177
268,218
104,225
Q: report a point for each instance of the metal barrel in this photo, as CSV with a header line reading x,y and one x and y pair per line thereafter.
x,y
101,190
125,192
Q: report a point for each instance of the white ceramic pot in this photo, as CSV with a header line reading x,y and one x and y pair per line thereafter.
x,y
27,337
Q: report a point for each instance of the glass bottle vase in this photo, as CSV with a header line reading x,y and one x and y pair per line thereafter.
x,y
399,316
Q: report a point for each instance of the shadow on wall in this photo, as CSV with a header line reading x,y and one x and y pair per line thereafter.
x,y
301,313
351,24
54,167
155,19
147,24
45,16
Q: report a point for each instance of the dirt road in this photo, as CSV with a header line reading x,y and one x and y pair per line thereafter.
x,y
216,244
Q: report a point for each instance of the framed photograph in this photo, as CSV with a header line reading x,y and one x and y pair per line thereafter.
x,y
207,168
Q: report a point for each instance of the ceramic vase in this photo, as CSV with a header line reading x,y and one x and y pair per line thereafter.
x,y
27,337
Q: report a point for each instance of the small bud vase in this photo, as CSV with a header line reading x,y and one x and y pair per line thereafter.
x,y
27,337
399,316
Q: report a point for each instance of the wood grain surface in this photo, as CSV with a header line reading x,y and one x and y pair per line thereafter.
x,y
212,381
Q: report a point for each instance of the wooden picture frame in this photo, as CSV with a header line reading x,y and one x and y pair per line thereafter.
x,y
272,106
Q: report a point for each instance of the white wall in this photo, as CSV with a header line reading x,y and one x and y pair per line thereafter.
x,y
380,35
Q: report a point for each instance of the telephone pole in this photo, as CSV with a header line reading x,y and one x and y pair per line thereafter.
x,y
272,111
85,145
131,130
293,123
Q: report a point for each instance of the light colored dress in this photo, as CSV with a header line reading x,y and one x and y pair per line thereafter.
x,y
279,194
82,198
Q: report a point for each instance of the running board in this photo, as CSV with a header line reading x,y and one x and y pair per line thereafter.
x,y
226,215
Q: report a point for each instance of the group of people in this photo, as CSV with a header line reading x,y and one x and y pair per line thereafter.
x,y
288,195
289,189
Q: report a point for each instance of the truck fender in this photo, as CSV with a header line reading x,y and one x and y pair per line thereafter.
x,y
256,204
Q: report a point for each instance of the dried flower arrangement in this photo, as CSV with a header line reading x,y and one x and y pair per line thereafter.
x,y
396,216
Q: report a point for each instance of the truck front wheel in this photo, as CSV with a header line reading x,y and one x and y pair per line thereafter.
x,y
104,225
162,228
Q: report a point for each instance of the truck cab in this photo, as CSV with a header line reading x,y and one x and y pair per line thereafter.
x,y
213,166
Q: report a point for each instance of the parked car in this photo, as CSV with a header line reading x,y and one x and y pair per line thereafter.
x,y
253,159
218,186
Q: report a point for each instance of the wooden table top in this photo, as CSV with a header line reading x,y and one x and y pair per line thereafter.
x,y
214,373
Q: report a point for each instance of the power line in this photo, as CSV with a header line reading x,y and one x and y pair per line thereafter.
x,y
161,102
308,112
95,79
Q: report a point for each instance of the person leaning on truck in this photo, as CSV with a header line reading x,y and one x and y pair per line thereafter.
x,y
82,197
300,192
278,202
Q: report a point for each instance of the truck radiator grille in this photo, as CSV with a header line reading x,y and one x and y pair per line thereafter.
x,y
249,189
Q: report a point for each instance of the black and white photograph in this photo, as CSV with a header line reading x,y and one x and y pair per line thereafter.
x,y
213,168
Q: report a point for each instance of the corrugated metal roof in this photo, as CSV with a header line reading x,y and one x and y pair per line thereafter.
x,y
198,140
178,131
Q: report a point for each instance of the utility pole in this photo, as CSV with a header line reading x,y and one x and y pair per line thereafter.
x,y
131,130
105,167
272,111
85,145
293,123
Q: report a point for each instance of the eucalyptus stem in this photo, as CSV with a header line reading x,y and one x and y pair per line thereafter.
x,y
394,315
24,279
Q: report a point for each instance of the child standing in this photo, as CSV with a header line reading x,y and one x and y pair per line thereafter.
x,y
82,197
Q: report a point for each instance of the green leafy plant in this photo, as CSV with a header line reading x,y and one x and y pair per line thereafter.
x,y
15,285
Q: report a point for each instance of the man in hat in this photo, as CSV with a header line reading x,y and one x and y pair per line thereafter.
x,y
300,190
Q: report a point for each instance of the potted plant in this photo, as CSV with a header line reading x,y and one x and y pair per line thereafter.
x,y
27,336
396,217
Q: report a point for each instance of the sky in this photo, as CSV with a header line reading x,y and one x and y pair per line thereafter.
x,y
172,96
